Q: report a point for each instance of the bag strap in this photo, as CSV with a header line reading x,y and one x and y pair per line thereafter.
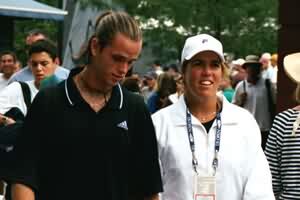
x,y
244,85
270,99
26,93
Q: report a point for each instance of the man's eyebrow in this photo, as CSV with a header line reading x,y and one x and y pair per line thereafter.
x,y
118,55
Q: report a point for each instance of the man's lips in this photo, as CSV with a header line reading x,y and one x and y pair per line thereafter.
x,y
117,77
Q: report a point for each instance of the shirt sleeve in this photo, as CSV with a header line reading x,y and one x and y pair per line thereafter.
x,y
12,96
258,179
28,147
145,160
273,153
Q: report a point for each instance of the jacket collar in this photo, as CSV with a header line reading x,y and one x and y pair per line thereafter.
x,y
179,112
74,98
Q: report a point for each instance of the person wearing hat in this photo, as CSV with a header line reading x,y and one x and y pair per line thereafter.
x,y
256,95
282,148
208,147
150,79
237,72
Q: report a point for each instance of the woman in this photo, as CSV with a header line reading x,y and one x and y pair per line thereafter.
x,y
209,148
166,85
283,144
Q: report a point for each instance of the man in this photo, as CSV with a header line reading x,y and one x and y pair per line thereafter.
x,y
254,95
157,67
8,61
42,55
150,79
267,69
25,74
87,138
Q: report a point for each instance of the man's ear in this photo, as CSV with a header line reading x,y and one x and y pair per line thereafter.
x,y
57,61
94,46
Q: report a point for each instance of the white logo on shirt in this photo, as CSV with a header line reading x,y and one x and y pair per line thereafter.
x,y
123,125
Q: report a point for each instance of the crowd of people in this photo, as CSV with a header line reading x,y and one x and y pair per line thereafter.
x,y
202,128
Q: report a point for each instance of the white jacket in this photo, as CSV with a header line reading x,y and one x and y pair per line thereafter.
x,y
243,172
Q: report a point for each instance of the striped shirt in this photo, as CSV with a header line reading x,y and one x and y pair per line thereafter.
x,y
283,154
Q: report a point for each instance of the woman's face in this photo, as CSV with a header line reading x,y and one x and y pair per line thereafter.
x,y
203,75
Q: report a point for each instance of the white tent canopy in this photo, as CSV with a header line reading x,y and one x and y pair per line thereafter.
x,y
30,9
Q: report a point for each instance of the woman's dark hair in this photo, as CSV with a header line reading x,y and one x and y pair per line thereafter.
x,y
166,85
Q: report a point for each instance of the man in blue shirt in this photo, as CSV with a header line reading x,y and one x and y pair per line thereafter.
x,y
25,74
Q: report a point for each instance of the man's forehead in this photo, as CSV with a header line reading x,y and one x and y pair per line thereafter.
x,y
40,56
125,55
7,57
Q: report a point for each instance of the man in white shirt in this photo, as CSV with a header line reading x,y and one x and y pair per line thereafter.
x,y
42,55
8,67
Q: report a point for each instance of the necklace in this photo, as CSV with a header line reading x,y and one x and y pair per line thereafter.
x,y
207,117
91,95
210,115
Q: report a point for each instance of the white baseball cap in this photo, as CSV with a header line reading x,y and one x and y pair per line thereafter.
x,y
291,64
200,43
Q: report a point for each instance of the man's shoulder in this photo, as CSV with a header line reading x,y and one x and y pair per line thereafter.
x,y
50,94
62,69
23,74
62,72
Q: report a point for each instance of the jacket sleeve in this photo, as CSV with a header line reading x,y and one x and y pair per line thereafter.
x,y
258,180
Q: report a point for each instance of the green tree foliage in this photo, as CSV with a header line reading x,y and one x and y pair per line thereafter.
x,y
244,27
23,26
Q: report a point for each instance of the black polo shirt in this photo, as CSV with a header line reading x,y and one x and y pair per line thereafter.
x,y
69,151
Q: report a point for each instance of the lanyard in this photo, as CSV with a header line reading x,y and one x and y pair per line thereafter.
x,y
192,141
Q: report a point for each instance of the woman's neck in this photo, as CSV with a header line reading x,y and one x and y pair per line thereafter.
x,y
203,109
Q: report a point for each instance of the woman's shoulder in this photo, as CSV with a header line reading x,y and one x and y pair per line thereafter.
x,y
287,115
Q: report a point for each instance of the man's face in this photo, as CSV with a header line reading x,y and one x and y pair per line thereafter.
x,y
41,65
8,64
112,62
151,82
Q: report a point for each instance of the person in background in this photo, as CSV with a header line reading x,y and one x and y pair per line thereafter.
x,y
87,138
13,105
8,61
165,86
149,87
42,55
238,73
208,147
257,95
131,83
267,69
282,148
226,87
25,74
173,98
274,61
172,69
156,67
